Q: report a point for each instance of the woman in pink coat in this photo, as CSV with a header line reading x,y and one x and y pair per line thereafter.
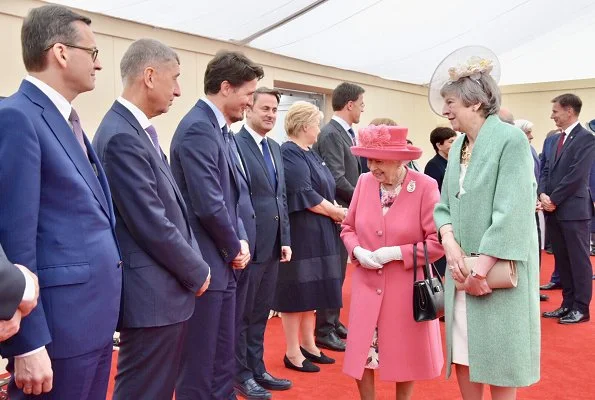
x,y
392,209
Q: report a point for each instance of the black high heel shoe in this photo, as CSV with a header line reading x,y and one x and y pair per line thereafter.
x,y
321,359
307,366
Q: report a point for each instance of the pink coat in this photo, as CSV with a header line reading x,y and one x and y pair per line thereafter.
x,y
408,350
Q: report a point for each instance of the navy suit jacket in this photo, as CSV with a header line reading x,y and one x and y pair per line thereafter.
x,y
270,205
245,206
207,177
163,267
12,287
56,218
566,178
436,168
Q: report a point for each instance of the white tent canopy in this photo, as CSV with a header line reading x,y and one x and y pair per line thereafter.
x,y
535,40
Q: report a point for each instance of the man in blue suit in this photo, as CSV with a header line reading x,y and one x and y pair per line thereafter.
x,y
57,216
163,267
204,163
564,194
267,186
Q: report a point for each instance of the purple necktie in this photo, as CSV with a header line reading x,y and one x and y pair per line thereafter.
x,y
153,134
77,129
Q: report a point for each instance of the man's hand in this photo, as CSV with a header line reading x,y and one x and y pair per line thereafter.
x,y
547,203
27,306
10,328
204,286
243,257
33,373
285,254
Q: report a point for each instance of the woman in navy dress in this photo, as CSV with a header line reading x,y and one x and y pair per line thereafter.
x,y
312,279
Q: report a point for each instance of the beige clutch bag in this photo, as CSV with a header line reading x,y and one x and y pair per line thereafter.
x,y
502,275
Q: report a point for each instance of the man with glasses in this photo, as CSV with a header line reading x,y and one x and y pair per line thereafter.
x,y
57,216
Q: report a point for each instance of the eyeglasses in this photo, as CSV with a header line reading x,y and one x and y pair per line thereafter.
x,y
94,51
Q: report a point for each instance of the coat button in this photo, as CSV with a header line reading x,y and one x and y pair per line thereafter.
x,y
379,272
276,218
120,264
378,291
379,233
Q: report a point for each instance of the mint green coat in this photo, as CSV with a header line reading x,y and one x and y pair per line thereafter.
x,y
496,216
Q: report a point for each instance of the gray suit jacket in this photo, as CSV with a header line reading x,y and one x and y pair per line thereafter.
x,y
12,287
333,146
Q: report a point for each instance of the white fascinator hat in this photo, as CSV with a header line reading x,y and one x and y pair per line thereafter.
x,y
468,61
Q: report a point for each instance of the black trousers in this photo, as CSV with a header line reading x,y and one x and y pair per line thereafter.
x,y
570,242
207,370
149,362
257,285
327,320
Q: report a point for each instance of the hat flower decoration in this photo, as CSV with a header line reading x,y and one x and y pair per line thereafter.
x,y
468,61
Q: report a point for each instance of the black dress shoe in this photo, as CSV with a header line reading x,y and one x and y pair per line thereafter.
x,y
307,366
550,286
543,297
269,382
331,342
321,359
341,331
557,313
574,317
251,390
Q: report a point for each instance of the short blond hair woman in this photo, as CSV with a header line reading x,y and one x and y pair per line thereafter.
x,y
312,279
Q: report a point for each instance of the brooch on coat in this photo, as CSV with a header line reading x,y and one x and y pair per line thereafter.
x,y
411,186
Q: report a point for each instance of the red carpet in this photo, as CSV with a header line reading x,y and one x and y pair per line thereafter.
x,y
567,363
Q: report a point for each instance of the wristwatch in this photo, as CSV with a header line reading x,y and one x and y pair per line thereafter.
x,y
477,276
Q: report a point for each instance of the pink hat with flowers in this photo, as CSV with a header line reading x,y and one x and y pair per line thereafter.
x,y
383,142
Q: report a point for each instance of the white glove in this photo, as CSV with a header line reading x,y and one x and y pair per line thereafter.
x,y
365,258
384,255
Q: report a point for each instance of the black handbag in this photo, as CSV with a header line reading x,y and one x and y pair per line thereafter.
x,y
428,294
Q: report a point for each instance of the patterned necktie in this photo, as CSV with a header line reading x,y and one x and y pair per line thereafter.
x,y
153,135
268,161
352,134
560,144
77,129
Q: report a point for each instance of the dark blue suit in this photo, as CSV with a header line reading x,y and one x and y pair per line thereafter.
x,y
163,267
272,232
57,219
207,176
565,179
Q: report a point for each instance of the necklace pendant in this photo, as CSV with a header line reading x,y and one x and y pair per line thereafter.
x,y
411,186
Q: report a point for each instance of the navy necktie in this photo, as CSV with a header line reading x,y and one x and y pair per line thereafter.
x,y
352,134
268,161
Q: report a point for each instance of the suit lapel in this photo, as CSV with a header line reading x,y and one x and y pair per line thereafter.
x,y
567,142
131,119
67,140
276,154
346,137
244,170
222,141
247,138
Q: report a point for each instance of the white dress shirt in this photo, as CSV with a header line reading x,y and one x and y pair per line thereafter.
x,y
139,115
258,140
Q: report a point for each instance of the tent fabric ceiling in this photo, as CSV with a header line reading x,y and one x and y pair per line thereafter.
x,y
535,40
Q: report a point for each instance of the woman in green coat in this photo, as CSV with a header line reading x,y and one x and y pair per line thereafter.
x,y
488,208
